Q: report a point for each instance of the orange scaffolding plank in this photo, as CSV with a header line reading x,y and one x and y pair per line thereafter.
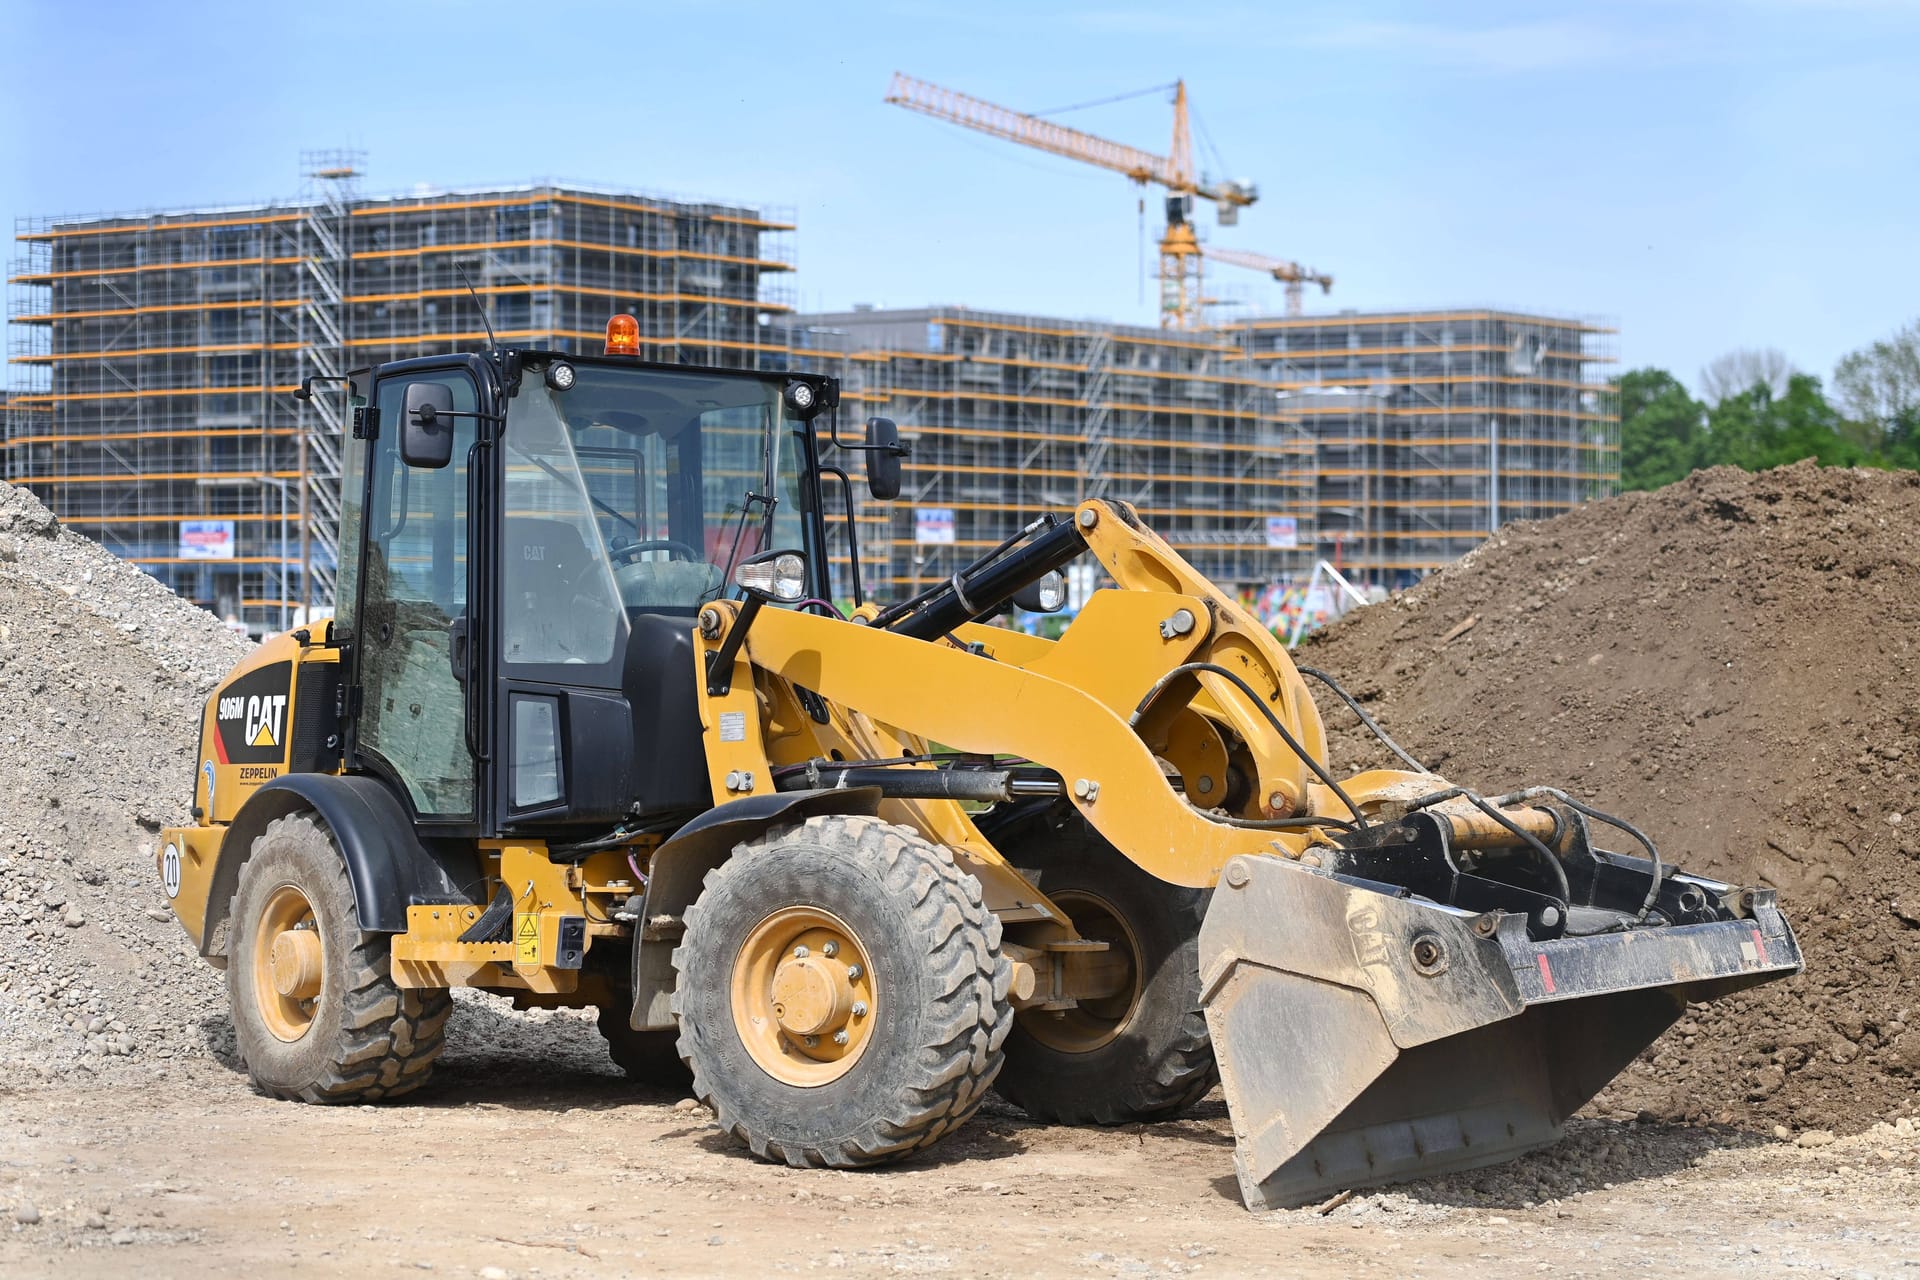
x,y
361,299
204,433
1415,317
152,225
421,251
136,395
1134,442
225,348
143,476
196,265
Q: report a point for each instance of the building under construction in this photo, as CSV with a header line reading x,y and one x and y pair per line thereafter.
x,y
155,355
1385,444
1011,417
1434,427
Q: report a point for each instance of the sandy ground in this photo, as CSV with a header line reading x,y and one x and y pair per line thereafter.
x,y
506,1168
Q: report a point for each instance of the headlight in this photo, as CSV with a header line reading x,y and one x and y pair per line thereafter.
x,y
778,575
560,376
1047,595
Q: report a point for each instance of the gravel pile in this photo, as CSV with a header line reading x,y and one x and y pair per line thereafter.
x,y
103,672
1730,664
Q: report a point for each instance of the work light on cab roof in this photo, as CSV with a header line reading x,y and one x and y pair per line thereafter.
x,y
623,335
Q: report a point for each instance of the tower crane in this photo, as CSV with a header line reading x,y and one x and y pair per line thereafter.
x,y
1181,303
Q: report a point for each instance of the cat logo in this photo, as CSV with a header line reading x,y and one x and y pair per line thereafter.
x,y
251,716
263,720
260,716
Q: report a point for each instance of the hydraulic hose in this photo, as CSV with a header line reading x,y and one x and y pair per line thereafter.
x,y
1529,793
1365,719
1653,854
1293,743
1548,857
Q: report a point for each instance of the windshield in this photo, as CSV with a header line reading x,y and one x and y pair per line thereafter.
x,y
667,479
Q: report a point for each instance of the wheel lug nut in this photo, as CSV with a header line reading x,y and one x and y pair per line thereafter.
x,y
831,950
853,973
859,1008
840,1037
799,953
813,1042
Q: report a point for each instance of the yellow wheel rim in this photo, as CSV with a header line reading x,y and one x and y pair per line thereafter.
x,y
289,963
1112,977
803,994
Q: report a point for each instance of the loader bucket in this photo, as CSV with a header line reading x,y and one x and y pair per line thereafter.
x,y
1367,1036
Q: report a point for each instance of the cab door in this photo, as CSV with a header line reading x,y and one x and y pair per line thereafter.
x,y
411,609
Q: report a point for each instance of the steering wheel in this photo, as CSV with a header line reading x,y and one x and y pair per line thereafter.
x,y
675,550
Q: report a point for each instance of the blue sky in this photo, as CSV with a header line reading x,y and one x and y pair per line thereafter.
x,y
1706,175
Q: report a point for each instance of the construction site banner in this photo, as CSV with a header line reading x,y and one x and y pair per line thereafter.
x,y
933,526
206,539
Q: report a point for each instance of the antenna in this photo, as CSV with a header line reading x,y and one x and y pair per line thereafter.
x,y
491,344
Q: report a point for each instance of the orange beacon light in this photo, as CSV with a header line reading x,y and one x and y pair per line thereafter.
x,y
623,336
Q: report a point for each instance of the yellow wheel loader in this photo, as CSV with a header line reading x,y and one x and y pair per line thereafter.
x,y
589,730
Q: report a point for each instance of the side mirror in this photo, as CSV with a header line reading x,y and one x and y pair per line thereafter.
x,y
426,427
1048,594
883,459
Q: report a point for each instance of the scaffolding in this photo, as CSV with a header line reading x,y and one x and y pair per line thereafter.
x,y
1436,427
1385,444
1013,416
154,355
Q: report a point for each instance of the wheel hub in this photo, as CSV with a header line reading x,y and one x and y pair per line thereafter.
x,y
811,995
803,995
288,960
295,961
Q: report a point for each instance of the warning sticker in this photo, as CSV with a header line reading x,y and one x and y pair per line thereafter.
x,y
733,726
526,941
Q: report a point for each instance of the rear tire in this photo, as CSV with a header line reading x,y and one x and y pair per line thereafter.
x,y
1120,1060
650,1058
767,985
317,1016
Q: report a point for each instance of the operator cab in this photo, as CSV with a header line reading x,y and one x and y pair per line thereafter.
x,y
527,537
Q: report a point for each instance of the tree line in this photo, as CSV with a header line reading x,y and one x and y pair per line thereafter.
x,y
1758,411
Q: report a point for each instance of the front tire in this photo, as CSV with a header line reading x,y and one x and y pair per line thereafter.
x,y
841,993
1143,1052
317,1016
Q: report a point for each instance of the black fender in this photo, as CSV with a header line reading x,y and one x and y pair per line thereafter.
x,y
680,867
388,865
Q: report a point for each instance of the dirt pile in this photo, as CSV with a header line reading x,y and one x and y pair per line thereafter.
x,y
1730,663
103,672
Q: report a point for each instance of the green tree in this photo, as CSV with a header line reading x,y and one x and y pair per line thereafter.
x,y
1878,388
1756,429
1662,429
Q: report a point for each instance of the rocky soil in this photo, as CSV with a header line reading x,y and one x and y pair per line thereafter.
x,y
1729,663
103,673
